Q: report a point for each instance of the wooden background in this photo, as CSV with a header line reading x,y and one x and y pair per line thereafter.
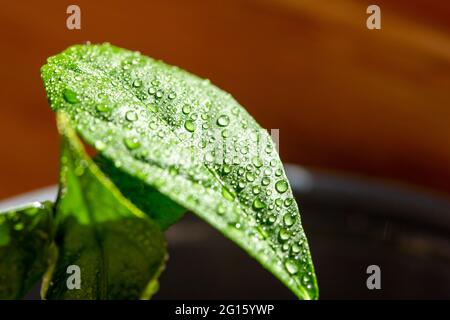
x,y
373,103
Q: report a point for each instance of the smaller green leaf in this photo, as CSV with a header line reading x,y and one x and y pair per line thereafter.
x,y
158,207
119,251
25,236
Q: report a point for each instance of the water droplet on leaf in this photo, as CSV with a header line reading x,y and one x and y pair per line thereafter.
x,y
226,169
257,162
291,267
265,181
250,177
281,186
70,96
99,145
186,109
19,226
288,220
189,125
132,143
288,202
172,95
131,116
284,234
223,120
258,204
101,107
227,194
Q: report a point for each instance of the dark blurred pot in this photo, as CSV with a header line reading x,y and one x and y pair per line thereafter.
x,y
350,223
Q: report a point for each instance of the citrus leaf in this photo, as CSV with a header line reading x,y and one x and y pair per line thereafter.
x,y
192,142
118,251
159,208
25,236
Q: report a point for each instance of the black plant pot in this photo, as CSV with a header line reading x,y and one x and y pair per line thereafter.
x,y
350,224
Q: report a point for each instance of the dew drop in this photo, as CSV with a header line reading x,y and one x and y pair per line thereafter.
x,y
258,204
272,219
256,190
226,169
225,133
263,233
153,125
101,96
241,185
209,157
100,145
291,267
244,150
19,226
131,116
227,194
189,125
173,171
250,177
296,248
265,181
132,143
288,202
223,120
288,220
284,234
257,162
281,186
70,96
101,107
186,109
278,202
220,209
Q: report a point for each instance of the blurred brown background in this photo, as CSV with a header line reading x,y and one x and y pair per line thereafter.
x,y
373,103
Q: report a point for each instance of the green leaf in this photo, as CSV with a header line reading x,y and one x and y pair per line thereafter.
x,y
193,143
25,236
119,251
161,209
